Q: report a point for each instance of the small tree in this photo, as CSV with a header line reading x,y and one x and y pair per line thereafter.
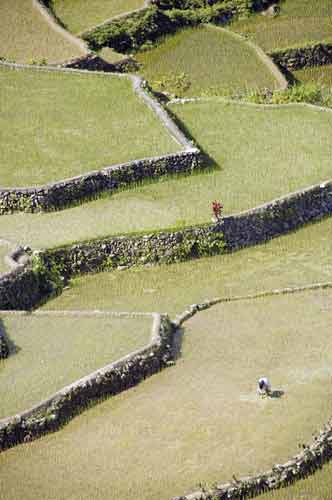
x,y
217,208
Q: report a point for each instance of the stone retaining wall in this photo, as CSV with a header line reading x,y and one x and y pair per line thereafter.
x,y
64,193
291,59
114,378
233,232
4,348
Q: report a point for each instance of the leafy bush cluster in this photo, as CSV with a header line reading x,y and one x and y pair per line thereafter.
x,y
49,276
130,32
305,92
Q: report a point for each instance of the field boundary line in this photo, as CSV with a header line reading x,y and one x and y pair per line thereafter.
x,y
195,308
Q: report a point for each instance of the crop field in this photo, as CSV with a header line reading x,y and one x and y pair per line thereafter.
x,y
47,135
51,351
196,431
296,259
317,487
199,420
299,22
318,74
209,59
79,15
277,150
25,36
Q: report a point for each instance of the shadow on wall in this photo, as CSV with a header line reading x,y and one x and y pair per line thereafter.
x,y
7,345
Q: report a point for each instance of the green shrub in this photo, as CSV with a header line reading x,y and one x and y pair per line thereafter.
x,y
136,30
49,275
307,92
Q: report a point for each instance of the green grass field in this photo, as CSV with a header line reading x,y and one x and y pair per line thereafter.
x,y
317,487
25,36
212,60
321,75
300,22
53,351
274,152
79,15
188,423
4,250
47,134
296,259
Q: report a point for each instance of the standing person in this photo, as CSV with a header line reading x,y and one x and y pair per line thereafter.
x,y
264,387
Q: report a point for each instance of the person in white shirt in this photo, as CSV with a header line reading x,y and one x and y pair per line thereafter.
x,y
264,387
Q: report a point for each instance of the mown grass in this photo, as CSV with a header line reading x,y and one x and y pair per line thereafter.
x,y
80,15
317,487
274,152
48,135
49,352
25,35
211,60
299,258
299,22
321,75
188,423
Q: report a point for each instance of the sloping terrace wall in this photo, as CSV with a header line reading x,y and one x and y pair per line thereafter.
x,y
112,379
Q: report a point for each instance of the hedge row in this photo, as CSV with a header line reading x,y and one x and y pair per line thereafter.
x,y
165,16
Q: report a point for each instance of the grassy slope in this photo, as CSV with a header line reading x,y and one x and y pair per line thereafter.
x,y
318,74
4,250
300,258
25,35
211,59
79,15
300,22
55,351
48,135
317,487
275,151
188,423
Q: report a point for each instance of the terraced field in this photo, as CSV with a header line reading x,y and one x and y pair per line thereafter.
x,y
296,259
299,22
25,36
199,420
51,351
318,74
253,165
182,64
195,415
79,15
48,135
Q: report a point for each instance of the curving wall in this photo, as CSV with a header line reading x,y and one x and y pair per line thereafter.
x,y
317,54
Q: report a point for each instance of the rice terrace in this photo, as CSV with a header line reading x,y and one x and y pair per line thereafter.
x,y
165,249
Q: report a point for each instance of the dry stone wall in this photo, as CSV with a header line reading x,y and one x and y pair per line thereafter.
x,y
63,193
230,234
112,379
317,54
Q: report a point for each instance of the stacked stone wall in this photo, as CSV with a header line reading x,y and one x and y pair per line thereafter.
x,y
317,54
232,233
54,412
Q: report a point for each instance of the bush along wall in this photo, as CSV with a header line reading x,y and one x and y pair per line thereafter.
x,y
4,348
54,412
64,193
291,59
129,33
230,234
